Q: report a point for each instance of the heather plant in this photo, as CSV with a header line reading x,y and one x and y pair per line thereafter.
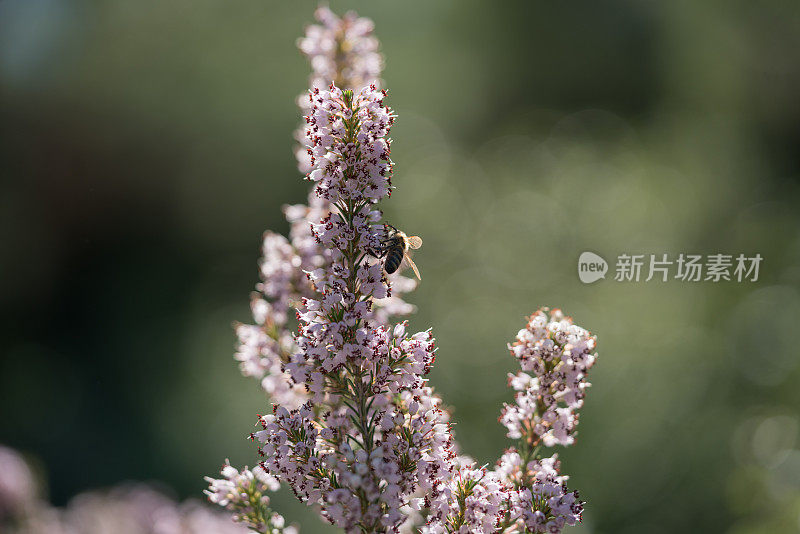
x,y
129,508
355,429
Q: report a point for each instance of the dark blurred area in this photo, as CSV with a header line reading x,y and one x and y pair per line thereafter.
x,y
147,145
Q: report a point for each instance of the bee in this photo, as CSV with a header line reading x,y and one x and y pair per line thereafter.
x,y
395,249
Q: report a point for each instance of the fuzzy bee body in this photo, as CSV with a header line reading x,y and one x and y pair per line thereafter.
x,y
395,250
394,254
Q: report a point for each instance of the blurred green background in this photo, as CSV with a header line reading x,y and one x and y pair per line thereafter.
x,y
146,146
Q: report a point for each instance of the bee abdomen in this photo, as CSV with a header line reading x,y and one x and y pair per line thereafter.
x,y
393,259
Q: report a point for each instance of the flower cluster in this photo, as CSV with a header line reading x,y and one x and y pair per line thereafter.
x,y
341,51
245,494
539,500
559,354
132,508
476,500
17,486
344,306
374,434
526,492
139,510
346,138
355,430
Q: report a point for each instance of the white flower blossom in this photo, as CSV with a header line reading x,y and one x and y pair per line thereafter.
x,y
539,500
127,509
372,434
17,485
559,354
355,430
475,503
342,51
245,494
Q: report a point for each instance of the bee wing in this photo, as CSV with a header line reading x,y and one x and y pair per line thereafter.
x,y
408,261
414,241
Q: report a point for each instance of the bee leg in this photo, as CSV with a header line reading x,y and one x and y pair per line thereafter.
x,y
382,251
377,254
